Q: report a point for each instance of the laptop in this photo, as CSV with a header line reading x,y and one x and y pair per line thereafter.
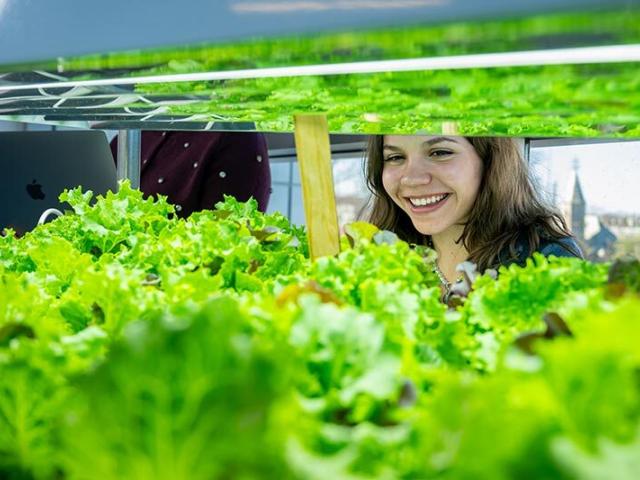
x,y
37,166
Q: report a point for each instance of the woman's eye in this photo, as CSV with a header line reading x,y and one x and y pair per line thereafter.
x,y
393,158
441,153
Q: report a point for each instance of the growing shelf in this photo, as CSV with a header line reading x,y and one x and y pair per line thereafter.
x,y
571,71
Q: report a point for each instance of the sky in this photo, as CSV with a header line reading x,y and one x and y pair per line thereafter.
x,y
609,174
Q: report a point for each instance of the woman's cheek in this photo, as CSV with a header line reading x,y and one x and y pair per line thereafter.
x,y
388,182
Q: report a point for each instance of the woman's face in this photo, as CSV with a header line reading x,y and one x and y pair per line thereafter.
x,y
434,179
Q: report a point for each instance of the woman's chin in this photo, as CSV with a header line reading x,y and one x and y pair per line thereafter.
x,y
425,229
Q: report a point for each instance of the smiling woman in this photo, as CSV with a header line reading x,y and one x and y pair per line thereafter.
x,y
470,198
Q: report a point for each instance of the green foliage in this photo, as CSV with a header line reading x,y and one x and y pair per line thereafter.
x,y
593,100
486,427
575,29
612,460
135,344
600,363
555,415
199,406
556,100
31,405
497,311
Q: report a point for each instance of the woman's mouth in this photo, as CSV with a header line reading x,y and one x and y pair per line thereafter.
x,y
427,203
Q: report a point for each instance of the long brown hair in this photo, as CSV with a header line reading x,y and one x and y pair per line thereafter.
x,y
506,211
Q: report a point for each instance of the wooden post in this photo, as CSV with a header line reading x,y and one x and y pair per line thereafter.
x,y
316,176
450,128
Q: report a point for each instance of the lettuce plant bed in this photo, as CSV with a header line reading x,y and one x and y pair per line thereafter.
x,y
570,100
584,100
600,100
604,26
134,344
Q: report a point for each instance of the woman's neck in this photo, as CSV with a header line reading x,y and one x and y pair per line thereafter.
x,y
450,253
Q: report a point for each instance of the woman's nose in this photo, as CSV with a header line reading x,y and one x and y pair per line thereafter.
x,y
416,173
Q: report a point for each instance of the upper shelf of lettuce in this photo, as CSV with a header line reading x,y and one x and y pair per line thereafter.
x,y
147,88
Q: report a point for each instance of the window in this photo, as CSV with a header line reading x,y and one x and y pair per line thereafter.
x,y
350,189
594,183
596,187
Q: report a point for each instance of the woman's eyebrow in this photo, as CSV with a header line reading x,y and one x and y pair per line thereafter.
x,y
431,141
435,140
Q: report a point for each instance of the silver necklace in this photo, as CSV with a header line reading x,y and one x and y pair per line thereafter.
x,y
443,280
445,283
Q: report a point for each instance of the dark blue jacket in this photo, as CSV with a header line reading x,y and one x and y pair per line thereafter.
x,y
563,247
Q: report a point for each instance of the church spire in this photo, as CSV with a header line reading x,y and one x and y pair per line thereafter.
x,y
576,208
575,189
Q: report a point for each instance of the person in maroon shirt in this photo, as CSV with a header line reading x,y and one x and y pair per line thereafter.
x,y
196,169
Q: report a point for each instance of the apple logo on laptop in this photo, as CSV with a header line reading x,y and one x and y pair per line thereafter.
x,y
34,190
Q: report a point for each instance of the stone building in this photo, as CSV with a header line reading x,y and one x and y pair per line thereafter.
x,y
596,239
575,208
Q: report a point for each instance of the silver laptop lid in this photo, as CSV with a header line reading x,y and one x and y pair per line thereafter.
x,y
37,166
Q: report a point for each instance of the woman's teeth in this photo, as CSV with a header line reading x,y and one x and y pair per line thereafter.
x,y
421,202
